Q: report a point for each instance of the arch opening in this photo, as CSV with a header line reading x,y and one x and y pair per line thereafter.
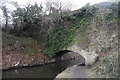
x,y
62,52
64,55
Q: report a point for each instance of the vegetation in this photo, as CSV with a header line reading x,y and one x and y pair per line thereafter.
x,y
21,44
59,39
27,20
44,33
106,20
107,67
30,21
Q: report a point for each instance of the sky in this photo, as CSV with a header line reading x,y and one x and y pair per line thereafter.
x,y
75,3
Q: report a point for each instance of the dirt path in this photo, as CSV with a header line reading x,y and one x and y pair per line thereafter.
x,y
78,72
73,72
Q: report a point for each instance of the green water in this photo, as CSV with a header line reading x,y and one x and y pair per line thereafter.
x,y
45,71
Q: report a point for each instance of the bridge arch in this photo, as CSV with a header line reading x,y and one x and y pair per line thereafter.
x,y
63,55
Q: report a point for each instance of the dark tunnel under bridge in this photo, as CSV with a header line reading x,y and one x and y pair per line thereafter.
x,y
64,55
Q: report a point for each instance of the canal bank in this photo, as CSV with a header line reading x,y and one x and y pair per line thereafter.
x,y
11,61
45,71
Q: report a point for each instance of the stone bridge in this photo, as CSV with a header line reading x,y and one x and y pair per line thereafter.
x,y
90,57
64,55
74,51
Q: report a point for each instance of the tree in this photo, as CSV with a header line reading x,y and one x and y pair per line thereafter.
x,y
29,19
5,13
57,7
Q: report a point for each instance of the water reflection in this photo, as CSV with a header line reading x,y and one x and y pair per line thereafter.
x,y
45,71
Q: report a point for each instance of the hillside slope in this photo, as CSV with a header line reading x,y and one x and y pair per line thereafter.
x,y
100,36
20,52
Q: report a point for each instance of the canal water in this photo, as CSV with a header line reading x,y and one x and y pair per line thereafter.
x,y
44,71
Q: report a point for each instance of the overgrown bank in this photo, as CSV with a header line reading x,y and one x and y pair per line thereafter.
x,y
92,28
21,52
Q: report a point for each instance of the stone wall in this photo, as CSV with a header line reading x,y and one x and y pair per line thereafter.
x,y
90,57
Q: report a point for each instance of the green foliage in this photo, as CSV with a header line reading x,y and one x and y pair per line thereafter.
x,y
83,24
59,39
63,30
64,35
87,11
112,11
27,20
28,14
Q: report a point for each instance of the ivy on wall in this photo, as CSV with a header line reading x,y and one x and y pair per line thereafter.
x,y
61,37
